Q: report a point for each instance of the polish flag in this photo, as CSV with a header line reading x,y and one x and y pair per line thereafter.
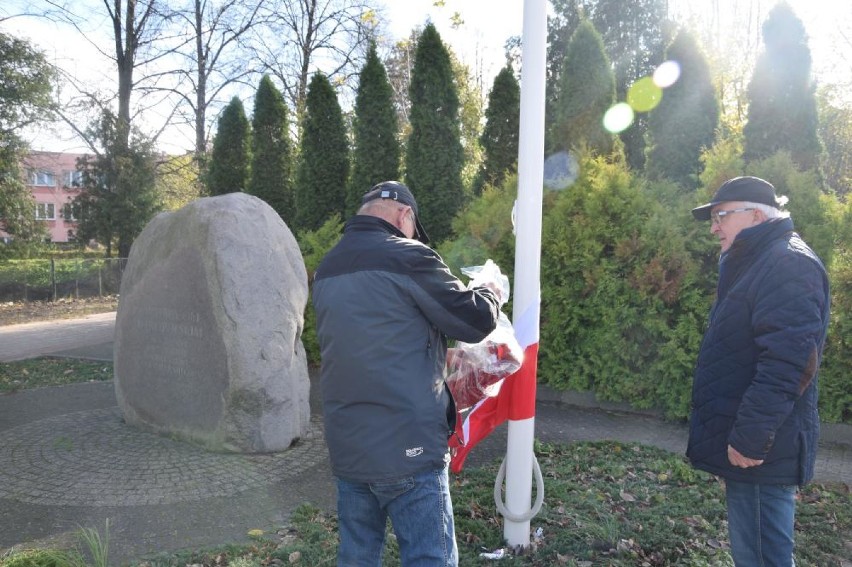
x,y
516,399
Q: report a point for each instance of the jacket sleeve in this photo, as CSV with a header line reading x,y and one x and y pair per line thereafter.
x,y
460,313
789,321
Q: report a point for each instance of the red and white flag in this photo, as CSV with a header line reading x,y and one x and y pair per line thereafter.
x,y
516,399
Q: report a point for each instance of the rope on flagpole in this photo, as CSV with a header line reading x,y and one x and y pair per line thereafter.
x,y
539,494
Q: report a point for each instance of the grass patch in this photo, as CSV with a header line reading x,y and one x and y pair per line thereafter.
x,y
606,504
91,551
47,371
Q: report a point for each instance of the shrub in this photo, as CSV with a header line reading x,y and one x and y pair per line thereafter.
x,y
314,245
623,299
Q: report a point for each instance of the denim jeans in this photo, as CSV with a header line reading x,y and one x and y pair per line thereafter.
x,y
760,523
420,512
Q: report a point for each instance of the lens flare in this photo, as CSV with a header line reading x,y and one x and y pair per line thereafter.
x,y
560,171
667,74
618,118
644,95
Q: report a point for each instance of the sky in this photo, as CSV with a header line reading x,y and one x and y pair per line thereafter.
x,y
479,39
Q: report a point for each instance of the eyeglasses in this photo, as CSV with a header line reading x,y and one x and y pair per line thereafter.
x,y
717,216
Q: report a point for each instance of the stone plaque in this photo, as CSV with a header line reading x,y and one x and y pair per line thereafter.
x,y
208,331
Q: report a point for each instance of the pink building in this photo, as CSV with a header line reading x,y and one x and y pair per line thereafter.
x,y
54,181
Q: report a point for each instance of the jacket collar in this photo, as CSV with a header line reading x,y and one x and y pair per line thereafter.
x,y
751,241
369,223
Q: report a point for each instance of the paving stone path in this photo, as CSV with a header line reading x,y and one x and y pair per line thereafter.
x,y
92,458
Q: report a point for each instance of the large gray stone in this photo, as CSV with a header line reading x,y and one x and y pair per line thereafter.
x,y
208,331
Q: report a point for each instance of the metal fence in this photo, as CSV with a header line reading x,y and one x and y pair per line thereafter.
x,y
49,280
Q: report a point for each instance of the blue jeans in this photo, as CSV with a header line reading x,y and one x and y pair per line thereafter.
x,y
760,523
419,509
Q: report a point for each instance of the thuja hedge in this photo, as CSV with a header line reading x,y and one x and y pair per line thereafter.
x,y
628,277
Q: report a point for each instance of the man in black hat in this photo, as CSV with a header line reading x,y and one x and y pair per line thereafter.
x,y
385,305
754,418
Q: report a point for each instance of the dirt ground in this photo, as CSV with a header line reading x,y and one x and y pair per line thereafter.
x,y
13,313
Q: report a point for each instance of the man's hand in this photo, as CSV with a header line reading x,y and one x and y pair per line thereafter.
x,y
738,460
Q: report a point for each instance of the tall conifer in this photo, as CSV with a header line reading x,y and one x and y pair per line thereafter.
x,y
782,111
324,157
272,151
376,155
684,122
502,128
586,93
434,156
229,162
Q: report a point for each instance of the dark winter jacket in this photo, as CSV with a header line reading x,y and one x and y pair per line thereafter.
x,y
755,384
385,305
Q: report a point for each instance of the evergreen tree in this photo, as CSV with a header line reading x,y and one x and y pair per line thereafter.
x,y
271,155
502,128
634,35
684,123
586,92
471,118
835,134
17,205
324,165
782,110
25,99
229,163
434,155
376,155
118,193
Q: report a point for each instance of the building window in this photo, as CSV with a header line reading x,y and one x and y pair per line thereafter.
x,y
42,178
68,212
45,211
73,178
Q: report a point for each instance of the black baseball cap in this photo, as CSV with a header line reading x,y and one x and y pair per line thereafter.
x,y
398,192
746,188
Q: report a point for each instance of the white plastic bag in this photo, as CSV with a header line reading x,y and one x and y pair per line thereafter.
x,y
477,370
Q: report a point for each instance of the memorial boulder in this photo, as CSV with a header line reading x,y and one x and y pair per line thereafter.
x,y
208,332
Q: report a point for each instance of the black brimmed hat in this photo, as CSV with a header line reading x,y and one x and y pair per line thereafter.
x,y
396,191
746,188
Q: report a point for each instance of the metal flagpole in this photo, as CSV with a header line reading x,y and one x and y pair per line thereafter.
x,y
520,460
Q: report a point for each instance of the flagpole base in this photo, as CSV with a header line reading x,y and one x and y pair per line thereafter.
x,y
519,469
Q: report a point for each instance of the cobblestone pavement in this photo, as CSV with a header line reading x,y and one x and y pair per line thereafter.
x,y
68,460
92,458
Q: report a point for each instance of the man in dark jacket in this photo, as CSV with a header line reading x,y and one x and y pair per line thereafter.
x,y
754,418
385,305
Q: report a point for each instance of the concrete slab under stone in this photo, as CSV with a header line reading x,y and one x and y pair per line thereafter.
x,y
208,333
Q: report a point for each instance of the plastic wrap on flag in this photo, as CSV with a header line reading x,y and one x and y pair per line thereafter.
x,y
476,371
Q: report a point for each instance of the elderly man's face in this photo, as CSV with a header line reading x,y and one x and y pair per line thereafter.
x,y
728,219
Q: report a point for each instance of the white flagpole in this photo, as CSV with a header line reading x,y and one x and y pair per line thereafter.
x,y
519,447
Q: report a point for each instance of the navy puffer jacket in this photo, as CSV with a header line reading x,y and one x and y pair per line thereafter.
x,y
755,384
